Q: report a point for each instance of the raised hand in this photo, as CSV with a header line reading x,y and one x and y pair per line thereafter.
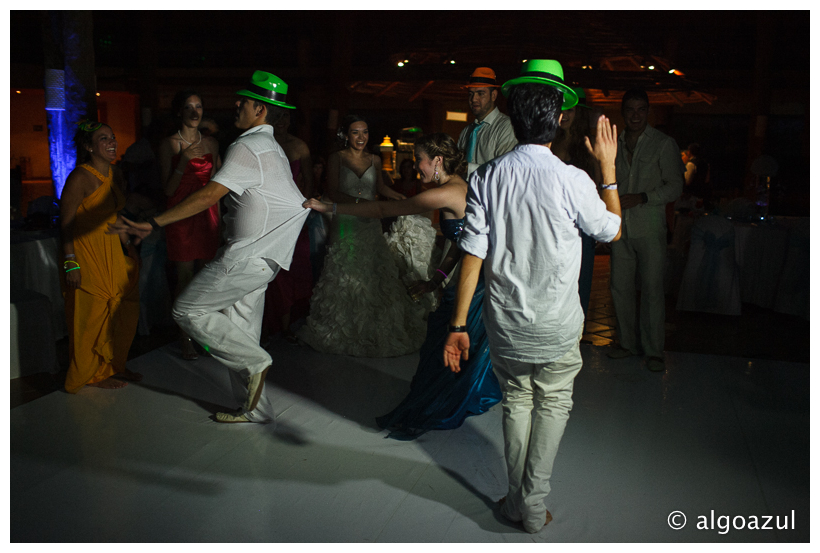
x,y
606,142
456,348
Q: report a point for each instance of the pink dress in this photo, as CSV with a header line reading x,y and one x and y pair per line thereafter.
x,y
196,237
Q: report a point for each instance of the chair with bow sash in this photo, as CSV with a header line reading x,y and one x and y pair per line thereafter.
x,y
711,281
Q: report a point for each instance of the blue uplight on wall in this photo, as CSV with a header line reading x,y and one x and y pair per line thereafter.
x,y
60,141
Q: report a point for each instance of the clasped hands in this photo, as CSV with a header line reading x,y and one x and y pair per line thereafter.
x,y
125,226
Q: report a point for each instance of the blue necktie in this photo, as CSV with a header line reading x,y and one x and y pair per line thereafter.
x,y
472,142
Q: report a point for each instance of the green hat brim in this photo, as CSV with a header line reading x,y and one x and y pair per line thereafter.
x,y
255,96
570,97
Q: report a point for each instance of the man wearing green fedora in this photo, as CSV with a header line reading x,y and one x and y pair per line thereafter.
x,y
222,306
524,212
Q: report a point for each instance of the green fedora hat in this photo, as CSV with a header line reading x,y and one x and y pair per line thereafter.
x,y
582,97
547,72
269,88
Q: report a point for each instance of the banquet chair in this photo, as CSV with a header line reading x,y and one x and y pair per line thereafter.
x,y
711,283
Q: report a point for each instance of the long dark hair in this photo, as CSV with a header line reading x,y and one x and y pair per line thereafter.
x,y
441,144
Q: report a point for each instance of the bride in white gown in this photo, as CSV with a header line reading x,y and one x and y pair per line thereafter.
x,y
360,306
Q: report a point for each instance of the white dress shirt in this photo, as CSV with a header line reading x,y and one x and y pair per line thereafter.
x,y
524,212
265,213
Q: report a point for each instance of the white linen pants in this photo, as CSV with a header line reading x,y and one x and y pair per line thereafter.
x,y
222,310
536,404
647,255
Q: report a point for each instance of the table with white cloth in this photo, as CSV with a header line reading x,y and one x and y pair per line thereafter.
x,y
31,338
34,265
772,258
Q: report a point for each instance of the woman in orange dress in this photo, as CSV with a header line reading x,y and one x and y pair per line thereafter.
x,y
187,161
101,270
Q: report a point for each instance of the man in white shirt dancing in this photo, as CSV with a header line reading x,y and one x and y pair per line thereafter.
x,y
524,212
222,306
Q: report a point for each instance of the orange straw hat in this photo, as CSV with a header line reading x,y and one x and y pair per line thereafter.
x,y
482,76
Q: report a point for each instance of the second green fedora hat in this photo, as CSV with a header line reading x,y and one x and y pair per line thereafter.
x,y
269,88
547,72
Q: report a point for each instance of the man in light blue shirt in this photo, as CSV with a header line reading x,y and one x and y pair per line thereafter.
x,y
525,211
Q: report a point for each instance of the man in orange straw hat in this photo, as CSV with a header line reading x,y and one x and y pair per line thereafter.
x,y
491,134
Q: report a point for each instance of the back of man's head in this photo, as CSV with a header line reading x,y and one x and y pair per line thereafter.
x,y
534,110
634,94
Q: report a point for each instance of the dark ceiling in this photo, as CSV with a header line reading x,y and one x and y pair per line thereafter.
x,y
712,49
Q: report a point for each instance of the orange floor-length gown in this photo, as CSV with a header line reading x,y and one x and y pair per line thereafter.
x,y
102,314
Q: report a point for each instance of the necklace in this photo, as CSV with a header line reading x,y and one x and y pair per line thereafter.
x,y
189,143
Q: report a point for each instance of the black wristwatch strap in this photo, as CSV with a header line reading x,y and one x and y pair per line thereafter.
x,y
458,328
154,224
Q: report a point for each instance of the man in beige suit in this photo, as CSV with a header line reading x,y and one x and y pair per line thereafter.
x,y
650,175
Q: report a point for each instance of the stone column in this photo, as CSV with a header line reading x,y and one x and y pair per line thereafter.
x,y
68,47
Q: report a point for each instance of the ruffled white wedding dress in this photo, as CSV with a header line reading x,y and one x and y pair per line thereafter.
x,y
360,305
412,240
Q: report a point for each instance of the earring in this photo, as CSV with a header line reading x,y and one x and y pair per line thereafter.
x,y
345,142
436,177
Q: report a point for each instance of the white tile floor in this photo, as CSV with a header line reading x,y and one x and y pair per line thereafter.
x,y
145,464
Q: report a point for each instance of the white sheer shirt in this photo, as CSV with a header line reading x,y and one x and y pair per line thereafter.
x,y
524,212
265,213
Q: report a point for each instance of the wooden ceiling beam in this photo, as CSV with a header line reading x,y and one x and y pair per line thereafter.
x,y
422,89
388,88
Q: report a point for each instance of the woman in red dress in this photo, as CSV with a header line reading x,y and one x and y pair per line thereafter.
x,y
187,161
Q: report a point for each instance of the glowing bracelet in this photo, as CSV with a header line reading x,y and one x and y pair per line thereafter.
x,y
442,272
69,270
70,261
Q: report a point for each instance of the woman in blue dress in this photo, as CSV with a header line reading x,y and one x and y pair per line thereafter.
x,y
439,399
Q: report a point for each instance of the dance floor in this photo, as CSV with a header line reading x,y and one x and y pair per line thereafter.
x,y
712,437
